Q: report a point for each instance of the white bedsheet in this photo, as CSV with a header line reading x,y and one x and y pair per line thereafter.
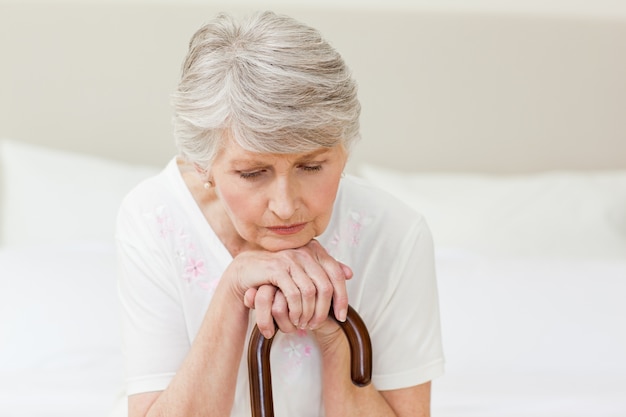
x,y
532,337
60,352
91,392
508,394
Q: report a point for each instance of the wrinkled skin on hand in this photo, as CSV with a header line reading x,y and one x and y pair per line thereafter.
x,y
301,284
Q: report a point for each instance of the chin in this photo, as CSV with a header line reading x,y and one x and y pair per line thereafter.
x,y
284,243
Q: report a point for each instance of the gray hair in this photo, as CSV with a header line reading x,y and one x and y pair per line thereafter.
x,y
271,83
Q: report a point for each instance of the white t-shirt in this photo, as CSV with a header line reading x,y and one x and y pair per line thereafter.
x,y
170,261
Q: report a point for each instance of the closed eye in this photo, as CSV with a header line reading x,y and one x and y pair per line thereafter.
x,y
311,168
251,175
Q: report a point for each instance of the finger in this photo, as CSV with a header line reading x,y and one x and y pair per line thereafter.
x,y
280,311
307,291
263,301
291,292
324,293
248,297
336,272
277,271
347,271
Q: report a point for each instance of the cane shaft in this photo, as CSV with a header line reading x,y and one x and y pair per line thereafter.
x,y
259,362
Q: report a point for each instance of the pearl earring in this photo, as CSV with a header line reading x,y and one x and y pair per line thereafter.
x,y
208,184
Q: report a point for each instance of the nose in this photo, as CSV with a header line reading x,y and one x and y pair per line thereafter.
x,y
284,197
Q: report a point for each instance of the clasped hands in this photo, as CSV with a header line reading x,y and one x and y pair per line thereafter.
x,y
293,289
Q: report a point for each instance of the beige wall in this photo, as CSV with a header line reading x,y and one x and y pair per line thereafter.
x,y
452,90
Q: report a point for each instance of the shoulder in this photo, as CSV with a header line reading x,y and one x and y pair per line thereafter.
x,y
151,204
357,195
365,216
150,190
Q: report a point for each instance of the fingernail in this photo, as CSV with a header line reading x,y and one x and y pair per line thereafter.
x,y
343,314
268,334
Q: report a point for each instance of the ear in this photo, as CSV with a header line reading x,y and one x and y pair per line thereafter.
x,y
199,169
204,175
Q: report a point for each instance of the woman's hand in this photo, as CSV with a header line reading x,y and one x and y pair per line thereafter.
x,y
293,288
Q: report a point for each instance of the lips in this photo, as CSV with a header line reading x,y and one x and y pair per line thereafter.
x,y
287,229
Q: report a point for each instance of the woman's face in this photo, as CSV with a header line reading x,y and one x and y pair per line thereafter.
x,y
278,201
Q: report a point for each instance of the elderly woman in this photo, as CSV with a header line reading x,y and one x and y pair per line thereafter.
x,y
254,223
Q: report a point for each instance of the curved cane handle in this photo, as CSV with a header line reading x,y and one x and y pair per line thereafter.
x,y
259,362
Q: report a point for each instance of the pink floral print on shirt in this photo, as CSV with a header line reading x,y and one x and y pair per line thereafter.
x,y
193,269
163,221
192,265
351,232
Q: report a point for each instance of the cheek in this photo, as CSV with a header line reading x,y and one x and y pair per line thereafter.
x,y
240,206
321,200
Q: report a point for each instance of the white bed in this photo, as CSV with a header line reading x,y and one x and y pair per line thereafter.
x,y
504,126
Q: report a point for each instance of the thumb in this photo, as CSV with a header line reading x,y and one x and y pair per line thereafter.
x,y
347,271
248,297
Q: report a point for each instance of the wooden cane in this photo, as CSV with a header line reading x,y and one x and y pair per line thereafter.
x,y
259,362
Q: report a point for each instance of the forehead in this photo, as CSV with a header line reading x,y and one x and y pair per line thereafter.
x,y
232,153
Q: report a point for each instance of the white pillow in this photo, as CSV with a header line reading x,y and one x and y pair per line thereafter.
x,y
53,196
60,343
560,214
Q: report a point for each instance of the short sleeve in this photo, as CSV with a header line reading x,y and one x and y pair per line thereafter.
x,y
405,326
153,323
